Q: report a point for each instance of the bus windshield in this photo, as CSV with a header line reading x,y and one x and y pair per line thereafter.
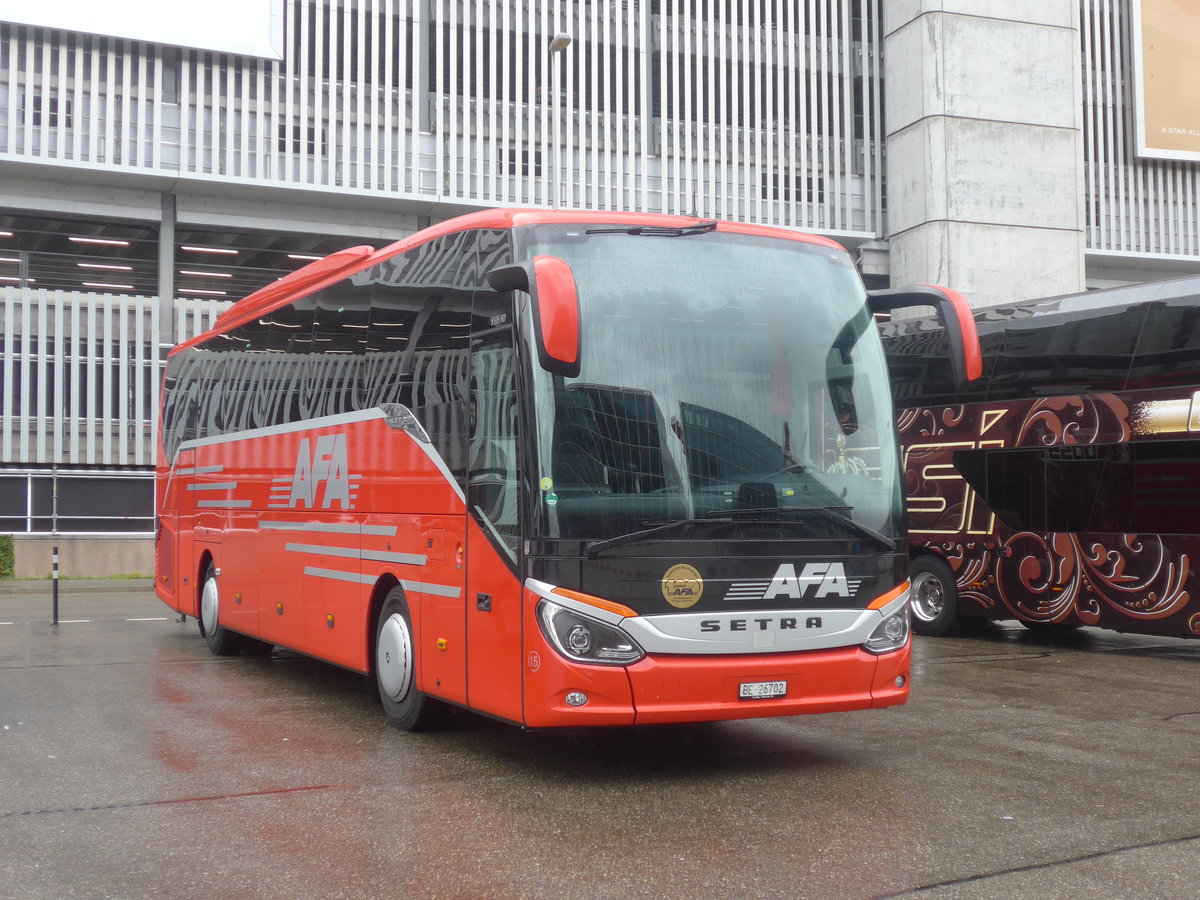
x,y
726,378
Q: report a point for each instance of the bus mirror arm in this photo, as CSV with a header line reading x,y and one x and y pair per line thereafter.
x,y
954,313
550,284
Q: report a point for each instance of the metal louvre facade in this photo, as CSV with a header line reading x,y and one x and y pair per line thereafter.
x,y
762,110
79,380
1133,205
80,374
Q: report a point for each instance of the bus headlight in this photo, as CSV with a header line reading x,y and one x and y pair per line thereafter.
x,y
890,634
585,639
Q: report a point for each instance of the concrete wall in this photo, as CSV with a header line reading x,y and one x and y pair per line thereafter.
x,y
984,119
84,557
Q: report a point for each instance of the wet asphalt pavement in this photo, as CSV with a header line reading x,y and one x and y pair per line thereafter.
x,y
135,764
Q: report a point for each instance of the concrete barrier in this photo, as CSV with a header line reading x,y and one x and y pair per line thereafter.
x,y
84,557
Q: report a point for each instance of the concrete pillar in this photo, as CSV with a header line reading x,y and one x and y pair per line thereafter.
x,y
985,146
166,273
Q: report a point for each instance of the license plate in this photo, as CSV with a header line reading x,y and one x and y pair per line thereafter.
x,y
762,690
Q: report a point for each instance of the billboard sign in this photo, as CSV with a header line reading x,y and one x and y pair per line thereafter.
x,y
1166,50
243,27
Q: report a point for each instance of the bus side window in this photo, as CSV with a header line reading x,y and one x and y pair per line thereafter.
x,y
289,342
238,356
418,342
492,483
439,366
918,359
342,315
1065,353
393,319
1169,345
290,327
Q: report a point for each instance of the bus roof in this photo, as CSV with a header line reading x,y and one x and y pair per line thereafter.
x,y
1085,301
336,266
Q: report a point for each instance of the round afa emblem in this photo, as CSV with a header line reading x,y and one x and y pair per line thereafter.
x,y
682,586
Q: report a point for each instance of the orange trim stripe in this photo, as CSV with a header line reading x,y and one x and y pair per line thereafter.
x,y
618,608
884,599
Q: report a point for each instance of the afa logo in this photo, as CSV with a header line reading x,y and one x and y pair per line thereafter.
x,y
682,586
819,579
325,467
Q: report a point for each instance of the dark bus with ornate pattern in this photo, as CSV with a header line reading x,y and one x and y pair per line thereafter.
x,y
1062,488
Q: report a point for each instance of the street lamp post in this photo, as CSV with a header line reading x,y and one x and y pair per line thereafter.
x,y
558,46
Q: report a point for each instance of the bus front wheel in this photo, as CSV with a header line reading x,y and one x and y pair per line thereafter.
x,y
934,597
396,669
220,640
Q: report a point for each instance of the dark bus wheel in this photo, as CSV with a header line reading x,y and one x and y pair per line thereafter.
x,y
934,595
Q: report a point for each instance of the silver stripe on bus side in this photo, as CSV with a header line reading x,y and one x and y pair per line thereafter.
x,y
201,470
436,590
334,574
332,528
408,559
223,504
416,587
223,486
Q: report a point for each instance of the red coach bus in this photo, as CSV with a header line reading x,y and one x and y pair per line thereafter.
x,y
1061,488
560,468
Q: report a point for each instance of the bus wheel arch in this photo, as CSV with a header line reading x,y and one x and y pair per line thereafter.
x,y
934,595
394,666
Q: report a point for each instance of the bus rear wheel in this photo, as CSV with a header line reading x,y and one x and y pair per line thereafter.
x,y
395,669
934,595
220,640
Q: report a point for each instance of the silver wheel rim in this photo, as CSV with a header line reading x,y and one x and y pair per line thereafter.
x,y
928,596
393,657
209,603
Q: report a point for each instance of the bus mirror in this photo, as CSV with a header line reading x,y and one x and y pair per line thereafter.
x,y
953,311
509,278
551,285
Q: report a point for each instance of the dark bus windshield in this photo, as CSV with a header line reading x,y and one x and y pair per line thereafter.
x,y
725,377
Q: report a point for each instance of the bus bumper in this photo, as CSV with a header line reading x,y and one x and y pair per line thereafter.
x,y
666,689
698,689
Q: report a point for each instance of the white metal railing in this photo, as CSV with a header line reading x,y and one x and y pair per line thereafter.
x,y
682,106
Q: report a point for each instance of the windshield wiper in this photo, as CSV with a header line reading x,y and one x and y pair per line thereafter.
x,y
594,547
732,515
829,513
665,230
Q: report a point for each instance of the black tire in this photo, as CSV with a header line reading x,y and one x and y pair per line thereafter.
x,y
394,669
220,640
934,597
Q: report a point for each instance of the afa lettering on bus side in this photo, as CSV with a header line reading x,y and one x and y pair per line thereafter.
x,y
327,464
